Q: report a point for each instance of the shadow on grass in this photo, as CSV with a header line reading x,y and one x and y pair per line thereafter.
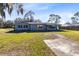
x,y
13,31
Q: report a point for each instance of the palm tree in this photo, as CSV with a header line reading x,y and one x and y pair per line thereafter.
x,y
9,7
54,18
29,15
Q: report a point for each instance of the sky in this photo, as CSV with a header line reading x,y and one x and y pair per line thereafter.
x,y
43,10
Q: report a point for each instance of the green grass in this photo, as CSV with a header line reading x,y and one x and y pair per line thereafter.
x,y
29,43
71,34
23,43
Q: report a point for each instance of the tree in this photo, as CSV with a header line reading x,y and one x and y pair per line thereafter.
x,y
29,15
76,14
54,18
18,19
75,18
9,8
38,21
51,18
74,21
8,24
68,23
57,19
1,22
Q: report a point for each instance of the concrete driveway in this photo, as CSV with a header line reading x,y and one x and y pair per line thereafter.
x,y
62,46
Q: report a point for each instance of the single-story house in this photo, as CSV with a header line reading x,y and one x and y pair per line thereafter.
x,y
34,26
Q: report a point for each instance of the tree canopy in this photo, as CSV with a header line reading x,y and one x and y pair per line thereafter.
x,y
54,18
75,18
29,15
9,8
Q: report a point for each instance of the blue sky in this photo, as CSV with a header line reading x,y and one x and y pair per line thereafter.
x,y
43,10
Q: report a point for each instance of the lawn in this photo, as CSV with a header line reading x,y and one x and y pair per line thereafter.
x,y
71,34
29,43
23,43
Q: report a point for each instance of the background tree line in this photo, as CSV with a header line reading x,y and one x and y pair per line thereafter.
x,y
6,24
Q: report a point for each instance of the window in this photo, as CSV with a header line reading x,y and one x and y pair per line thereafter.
x,y
26,26
50,26
39,26
19,26
22,26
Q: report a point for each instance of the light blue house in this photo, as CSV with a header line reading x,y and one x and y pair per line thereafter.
x,y
34,26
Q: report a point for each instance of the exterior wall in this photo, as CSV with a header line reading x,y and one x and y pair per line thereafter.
x,y
42,28
34,27
17,28
51,29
